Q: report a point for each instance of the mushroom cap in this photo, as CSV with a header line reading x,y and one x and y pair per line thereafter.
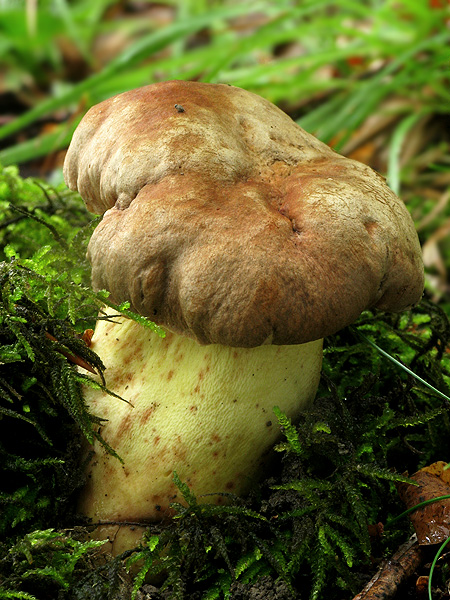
x,y
226,222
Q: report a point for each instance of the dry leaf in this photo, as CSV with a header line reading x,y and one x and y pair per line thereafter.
x,y
431,522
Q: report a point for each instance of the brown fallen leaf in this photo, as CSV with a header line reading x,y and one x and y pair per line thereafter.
x,y
439,468
432,521
432,525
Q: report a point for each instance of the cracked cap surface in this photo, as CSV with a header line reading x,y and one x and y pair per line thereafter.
x,y
225,221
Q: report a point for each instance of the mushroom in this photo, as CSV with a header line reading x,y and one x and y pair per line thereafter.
x,y
248,241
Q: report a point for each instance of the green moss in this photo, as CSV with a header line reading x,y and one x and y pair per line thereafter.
x,y
45,307
304,530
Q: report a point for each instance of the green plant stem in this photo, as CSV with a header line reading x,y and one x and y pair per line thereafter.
x,y
413,508
404,367
433,564
394,166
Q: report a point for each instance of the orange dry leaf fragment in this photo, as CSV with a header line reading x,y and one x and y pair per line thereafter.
x,y
440,469
422,586
432,521
74,358
87,336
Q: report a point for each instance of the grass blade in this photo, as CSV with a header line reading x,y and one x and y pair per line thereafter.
x,y
404,367
394,162
138,51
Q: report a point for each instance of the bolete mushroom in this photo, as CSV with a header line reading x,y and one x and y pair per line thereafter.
x,y
248,241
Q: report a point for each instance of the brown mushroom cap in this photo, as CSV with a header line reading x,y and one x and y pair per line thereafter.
x,y
228,223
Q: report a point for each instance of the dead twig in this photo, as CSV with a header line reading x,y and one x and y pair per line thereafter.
x,y
394,572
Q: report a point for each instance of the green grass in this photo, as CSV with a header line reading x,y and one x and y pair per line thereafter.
x,y
345,59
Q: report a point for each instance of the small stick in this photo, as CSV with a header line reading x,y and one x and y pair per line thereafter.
x,y
394,572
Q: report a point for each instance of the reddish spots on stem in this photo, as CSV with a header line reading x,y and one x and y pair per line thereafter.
x,y
124,427
169,375
127,359
147,414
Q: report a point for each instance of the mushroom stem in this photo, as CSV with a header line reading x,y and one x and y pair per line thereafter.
x,y
202,411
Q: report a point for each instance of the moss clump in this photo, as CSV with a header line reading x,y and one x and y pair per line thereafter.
x,y
45,306
312,525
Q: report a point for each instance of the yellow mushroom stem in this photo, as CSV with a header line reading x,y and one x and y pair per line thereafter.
x,y
205,412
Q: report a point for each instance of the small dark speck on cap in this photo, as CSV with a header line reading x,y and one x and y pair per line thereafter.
x,y
179,108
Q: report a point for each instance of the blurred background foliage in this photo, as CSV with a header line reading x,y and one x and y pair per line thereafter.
x,y
369,78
